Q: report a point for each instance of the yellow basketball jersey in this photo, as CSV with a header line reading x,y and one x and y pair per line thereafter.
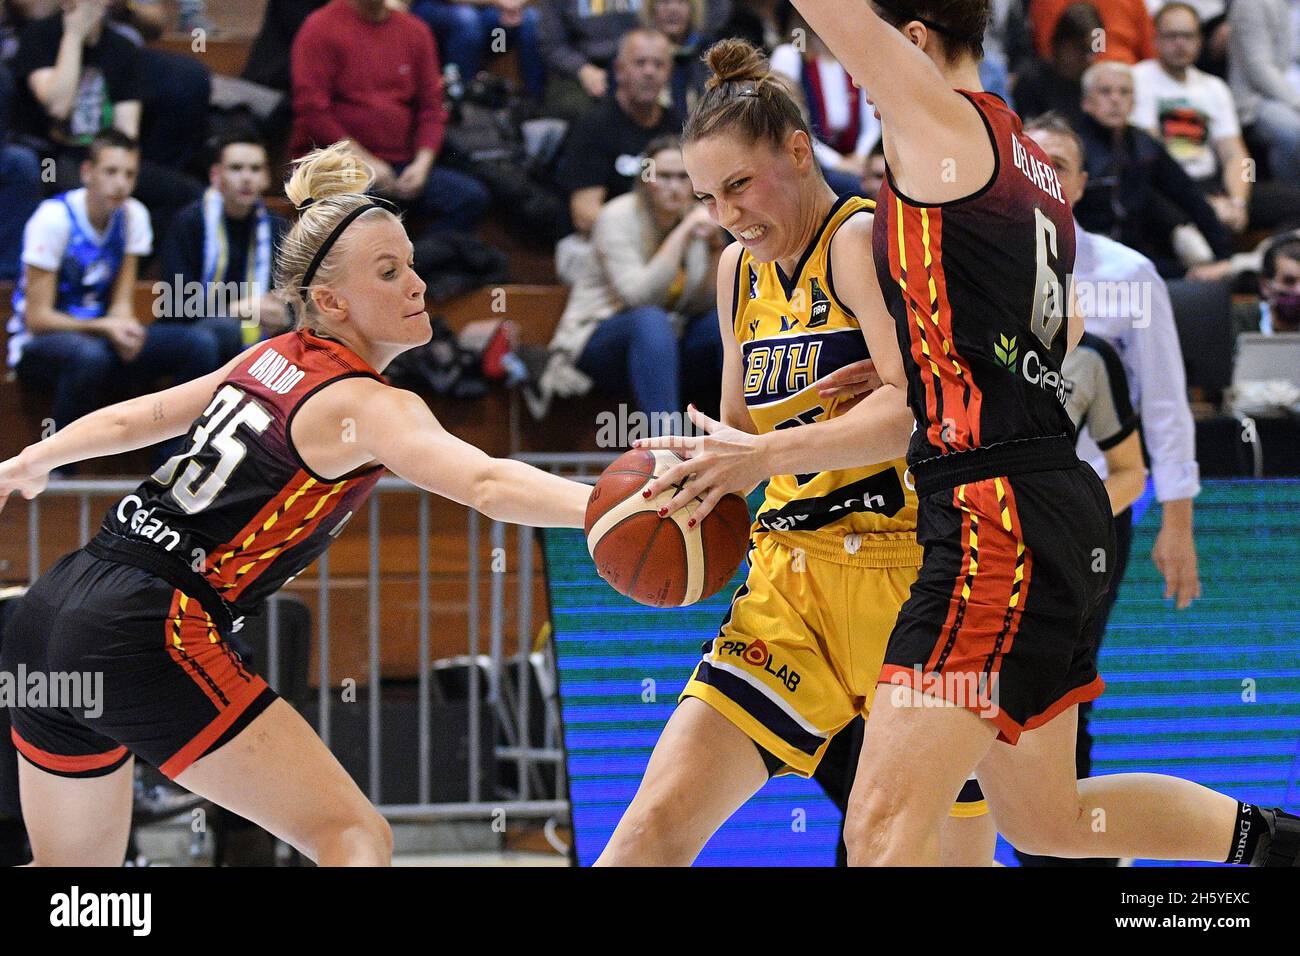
x,y
794,332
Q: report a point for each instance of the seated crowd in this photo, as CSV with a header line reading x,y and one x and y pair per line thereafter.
x,y
1177,124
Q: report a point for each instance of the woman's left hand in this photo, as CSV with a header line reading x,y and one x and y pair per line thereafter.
x,y
722,461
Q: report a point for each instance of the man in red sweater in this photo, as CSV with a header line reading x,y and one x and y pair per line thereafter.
x,y
365,72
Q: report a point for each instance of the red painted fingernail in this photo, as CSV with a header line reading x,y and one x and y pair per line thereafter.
x,y
646,493
691,523
663,512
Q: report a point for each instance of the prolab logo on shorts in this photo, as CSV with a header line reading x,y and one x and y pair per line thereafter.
x,y
77,909
756,654
821,306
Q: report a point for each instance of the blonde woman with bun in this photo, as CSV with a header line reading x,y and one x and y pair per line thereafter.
x,y
833,552
283,445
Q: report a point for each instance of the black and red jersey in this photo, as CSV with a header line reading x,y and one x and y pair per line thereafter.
x,y
978,291
238,505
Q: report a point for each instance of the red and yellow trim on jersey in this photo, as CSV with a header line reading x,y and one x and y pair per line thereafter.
x,y
295,512
951,395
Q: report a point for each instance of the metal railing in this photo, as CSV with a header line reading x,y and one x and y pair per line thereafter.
x,y
512,684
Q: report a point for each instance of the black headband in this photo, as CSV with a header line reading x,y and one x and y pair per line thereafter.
x,y
323,251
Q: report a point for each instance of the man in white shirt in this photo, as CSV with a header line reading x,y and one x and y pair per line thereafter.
x,y
74,327
1262,71
1139,325
1194,114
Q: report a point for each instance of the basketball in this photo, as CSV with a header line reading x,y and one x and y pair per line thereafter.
x,y
660,561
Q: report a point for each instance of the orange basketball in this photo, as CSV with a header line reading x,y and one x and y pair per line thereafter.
x,y
660,561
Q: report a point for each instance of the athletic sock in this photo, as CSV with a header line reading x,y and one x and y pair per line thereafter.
x,y
1251,826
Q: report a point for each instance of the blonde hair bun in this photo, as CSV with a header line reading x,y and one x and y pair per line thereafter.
x,y
331,171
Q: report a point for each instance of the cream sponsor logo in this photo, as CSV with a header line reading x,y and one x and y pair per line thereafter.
x,y
142,522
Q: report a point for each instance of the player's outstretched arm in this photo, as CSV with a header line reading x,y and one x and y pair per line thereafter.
x,y
112,430
360,421
935,141
877,429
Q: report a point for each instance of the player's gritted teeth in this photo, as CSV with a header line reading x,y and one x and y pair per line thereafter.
x,y
752,235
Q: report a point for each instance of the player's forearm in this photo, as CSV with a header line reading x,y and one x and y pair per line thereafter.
x,y
1124,486
1176,514
875,430
512,491
126,426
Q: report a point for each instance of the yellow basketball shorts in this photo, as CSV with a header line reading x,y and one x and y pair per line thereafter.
x,y
798,655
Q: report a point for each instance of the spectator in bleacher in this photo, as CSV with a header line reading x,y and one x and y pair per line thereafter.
x,y
1194,115
175,88
20,184
1242,270
842,120
1129,32
268,60
765,24
1139,324
1136,192
1279,286
1053,85
1264,73
642,315
1007,47
225,245
465,31
602,154
74,327
365,72
78,76
579,43
682,22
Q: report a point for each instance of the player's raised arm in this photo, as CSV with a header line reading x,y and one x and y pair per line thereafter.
x,y
911,56
361,421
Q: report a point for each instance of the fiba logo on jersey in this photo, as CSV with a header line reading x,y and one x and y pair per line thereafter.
x,y
821,306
